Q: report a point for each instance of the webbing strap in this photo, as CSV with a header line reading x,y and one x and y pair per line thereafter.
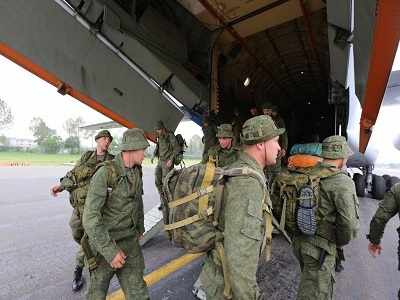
x,y
91,258
208,177
189,220
191,197
227,284
283,215
266,246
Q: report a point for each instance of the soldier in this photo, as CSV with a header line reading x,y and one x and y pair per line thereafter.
x,y
113,221
166,150
271,110
388,208
76,182
224,153
209,139
242,218
339,223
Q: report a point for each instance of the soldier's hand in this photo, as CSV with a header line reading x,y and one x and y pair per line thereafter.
x,y
140,236
55,190
119,260
169,163
374,250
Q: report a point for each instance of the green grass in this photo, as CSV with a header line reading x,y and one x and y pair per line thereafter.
x,y
42,159
37,159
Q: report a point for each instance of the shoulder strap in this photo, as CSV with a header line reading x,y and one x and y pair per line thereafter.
x,y
112,169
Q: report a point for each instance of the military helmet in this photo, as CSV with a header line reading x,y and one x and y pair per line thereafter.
x,y
134,139
103,133
335,147
259,129
267,105
224,131
159,125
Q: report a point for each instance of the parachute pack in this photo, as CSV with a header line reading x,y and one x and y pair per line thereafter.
x,y
192,203
296,199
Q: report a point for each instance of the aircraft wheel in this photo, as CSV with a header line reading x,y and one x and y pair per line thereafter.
x,y
359,181
378,187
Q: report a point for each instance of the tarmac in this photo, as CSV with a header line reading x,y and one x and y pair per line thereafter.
x,y
37,251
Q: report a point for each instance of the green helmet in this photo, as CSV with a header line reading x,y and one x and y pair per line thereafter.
x,y
224,131
134,139
267,105
335,147
259,129
103,133
159,125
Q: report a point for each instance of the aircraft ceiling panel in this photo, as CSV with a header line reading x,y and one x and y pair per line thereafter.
x,y
48,36
339,13
152,44
364,22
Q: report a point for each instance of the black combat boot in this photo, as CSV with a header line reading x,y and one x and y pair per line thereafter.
x,y
77,282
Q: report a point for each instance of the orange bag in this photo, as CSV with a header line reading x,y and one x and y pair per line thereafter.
x,y
303,161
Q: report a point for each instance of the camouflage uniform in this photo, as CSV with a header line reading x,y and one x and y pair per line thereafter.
x,y
338,212
242,222
388,208
76,182
113,220
209,138
272,171
166,149
222,157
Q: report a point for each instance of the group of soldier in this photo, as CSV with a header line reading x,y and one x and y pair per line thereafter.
x,y
108,219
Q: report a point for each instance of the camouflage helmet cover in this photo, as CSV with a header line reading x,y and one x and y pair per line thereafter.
x,y
159,125
134,139
335,147
259,129
103,133
266,105
224,131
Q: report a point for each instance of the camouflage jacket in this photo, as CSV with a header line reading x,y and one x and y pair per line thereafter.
x,y
338,212
222,157
76,181
167,147
114,206
243,224
388,208
209,139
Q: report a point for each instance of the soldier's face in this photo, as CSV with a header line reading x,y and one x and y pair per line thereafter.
x,y
225,143
103,143
133,158
267,111
253,111
272,149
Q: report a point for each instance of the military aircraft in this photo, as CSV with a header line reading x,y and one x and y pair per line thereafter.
x,y
137,61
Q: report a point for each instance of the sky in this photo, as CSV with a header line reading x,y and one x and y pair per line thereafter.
x,y
29,97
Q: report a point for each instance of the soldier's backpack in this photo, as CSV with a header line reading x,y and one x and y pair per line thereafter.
x,y
192,203
181,143
296,197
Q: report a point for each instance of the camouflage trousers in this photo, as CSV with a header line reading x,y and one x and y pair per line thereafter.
x,y
75,223
160,173
130,276
317,271
212,279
